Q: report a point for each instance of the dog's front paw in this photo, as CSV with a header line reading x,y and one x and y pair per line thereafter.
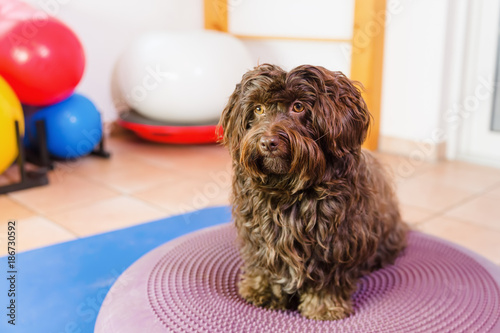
x,y
257,290
324,306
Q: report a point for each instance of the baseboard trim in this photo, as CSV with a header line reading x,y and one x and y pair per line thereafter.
x,y
417,150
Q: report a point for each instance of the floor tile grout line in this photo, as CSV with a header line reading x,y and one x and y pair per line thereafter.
x,y
459,203
87,202
104,183
43,215
427,169
153,205
70,207
78,236
61,226
470,223
80,205
473,196
36,211
416,207
147,203
493,187
22,205
119,190
93,181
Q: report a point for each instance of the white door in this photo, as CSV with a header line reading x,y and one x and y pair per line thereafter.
x,y
479,136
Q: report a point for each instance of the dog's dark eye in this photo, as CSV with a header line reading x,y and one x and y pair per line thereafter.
x,y
259,109
298,107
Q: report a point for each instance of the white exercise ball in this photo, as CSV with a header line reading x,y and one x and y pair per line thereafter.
x,y
182,77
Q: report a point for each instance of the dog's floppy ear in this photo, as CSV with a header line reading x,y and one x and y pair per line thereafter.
x,y
228,129
346,116
234,120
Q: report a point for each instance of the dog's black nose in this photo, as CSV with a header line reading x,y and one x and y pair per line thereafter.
x,y
269,142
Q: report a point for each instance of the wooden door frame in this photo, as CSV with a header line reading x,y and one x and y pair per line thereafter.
x,y
367,50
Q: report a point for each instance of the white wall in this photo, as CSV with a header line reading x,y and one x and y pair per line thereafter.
x,y
414,62
106,27
292,18
320,20
289,54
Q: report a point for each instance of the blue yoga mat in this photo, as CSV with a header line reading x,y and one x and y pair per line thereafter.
x,y
60,288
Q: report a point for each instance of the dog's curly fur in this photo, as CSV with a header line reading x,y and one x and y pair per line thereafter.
x,y
314,212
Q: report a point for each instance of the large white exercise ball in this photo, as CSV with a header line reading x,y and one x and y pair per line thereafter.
x,y
181,77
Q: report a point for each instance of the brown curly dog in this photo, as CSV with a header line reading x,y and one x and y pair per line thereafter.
x,y
314,212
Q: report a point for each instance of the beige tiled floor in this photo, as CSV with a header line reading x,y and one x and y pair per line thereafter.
x,y
144,181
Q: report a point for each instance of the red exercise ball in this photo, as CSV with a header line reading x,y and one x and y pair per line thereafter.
x,y
42,59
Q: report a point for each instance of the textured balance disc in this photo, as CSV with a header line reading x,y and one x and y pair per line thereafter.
x,y
190,285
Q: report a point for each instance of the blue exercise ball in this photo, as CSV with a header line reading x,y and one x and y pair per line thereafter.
x,y
73,127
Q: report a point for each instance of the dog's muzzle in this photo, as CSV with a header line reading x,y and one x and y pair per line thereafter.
x,y
269,143
273,154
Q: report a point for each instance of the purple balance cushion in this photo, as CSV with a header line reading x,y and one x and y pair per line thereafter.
x,y
189,285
